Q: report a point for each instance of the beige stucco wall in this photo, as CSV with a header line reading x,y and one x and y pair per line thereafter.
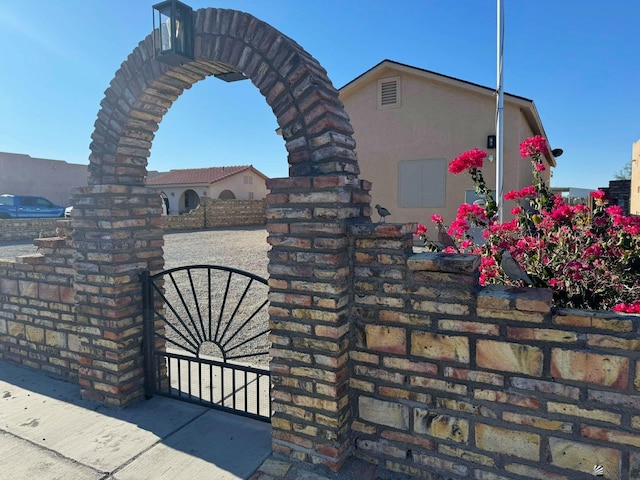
x,y
24,175
634,207
241,190
435,121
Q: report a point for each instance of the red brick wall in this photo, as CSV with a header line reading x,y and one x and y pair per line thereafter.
x,y
485,383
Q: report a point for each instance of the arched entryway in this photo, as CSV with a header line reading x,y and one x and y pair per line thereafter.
x,y
118,225
226,195
189,200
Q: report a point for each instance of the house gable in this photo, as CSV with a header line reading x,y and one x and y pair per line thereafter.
x,y
387,70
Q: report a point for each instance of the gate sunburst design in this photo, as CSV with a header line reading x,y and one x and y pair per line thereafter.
x,y
207,337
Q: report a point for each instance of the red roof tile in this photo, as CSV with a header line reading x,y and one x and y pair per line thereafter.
x,y
190,176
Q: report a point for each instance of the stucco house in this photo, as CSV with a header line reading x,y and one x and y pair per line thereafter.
x,y
410,123
183,188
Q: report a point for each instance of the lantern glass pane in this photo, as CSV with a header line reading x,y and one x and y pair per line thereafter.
x,y
164,17
183,30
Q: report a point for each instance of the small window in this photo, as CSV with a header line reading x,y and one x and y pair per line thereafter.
x,y
421,183
248,180
389,92
250,195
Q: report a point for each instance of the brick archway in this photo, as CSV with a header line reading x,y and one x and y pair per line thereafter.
x,y
314,125
117,228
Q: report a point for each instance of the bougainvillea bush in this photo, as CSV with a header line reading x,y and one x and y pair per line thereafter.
x,y
589,257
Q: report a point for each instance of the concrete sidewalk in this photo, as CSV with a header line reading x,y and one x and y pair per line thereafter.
x,y
48,432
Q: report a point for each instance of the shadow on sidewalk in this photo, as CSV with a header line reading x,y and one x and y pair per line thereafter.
x,y
156,438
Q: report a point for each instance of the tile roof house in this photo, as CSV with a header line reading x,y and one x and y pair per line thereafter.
x,y
410,123
183,188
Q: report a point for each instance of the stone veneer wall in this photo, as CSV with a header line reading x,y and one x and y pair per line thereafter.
x,y
219,213
27,228
454,381
38,323
212,213
419,369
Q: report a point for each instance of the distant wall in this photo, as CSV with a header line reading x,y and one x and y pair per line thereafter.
x,y
213,213
27,228
52,179
210,213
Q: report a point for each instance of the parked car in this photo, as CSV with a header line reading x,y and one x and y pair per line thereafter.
x,y
26,206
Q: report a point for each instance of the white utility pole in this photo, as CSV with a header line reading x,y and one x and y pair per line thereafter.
x,y
499,115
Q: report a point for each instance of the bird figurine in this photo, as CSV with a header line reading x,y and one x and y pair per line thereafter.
x,y
445,239
513,270
383,212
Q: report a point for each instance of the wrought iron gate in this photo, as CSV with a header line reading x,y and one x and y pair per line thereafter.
x,y
206,338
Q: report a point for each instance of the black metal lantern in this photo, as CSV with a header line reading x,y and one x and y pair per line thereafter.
x,y
173,32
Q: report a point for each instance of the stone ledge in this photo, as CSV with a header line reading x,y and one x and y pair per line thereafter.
x,y
31,259
49,242
444,262
381,230
501,297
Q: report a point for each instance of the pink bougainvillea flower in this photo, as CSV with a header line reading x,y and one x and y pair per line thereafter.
x,y
421,231
562,214
466,244
511,195
632,229
458,228
555,283
582,209
614,210
593,251
589,255
627,307
471,212
437,218
468,160
533,146
529,191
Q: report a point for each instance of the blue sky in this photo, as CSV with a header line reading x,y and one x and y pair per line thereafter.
x,y
577,59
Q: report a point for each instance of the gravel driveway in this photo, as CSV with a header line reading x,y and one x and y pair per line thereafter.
x,y
242,248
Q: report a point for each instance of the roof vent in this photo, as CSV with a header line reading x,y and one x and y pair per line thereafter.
x,y
389,92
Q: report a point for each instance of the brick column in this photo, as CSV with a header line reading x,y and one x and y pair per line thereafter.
x,y
117,232
310,278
